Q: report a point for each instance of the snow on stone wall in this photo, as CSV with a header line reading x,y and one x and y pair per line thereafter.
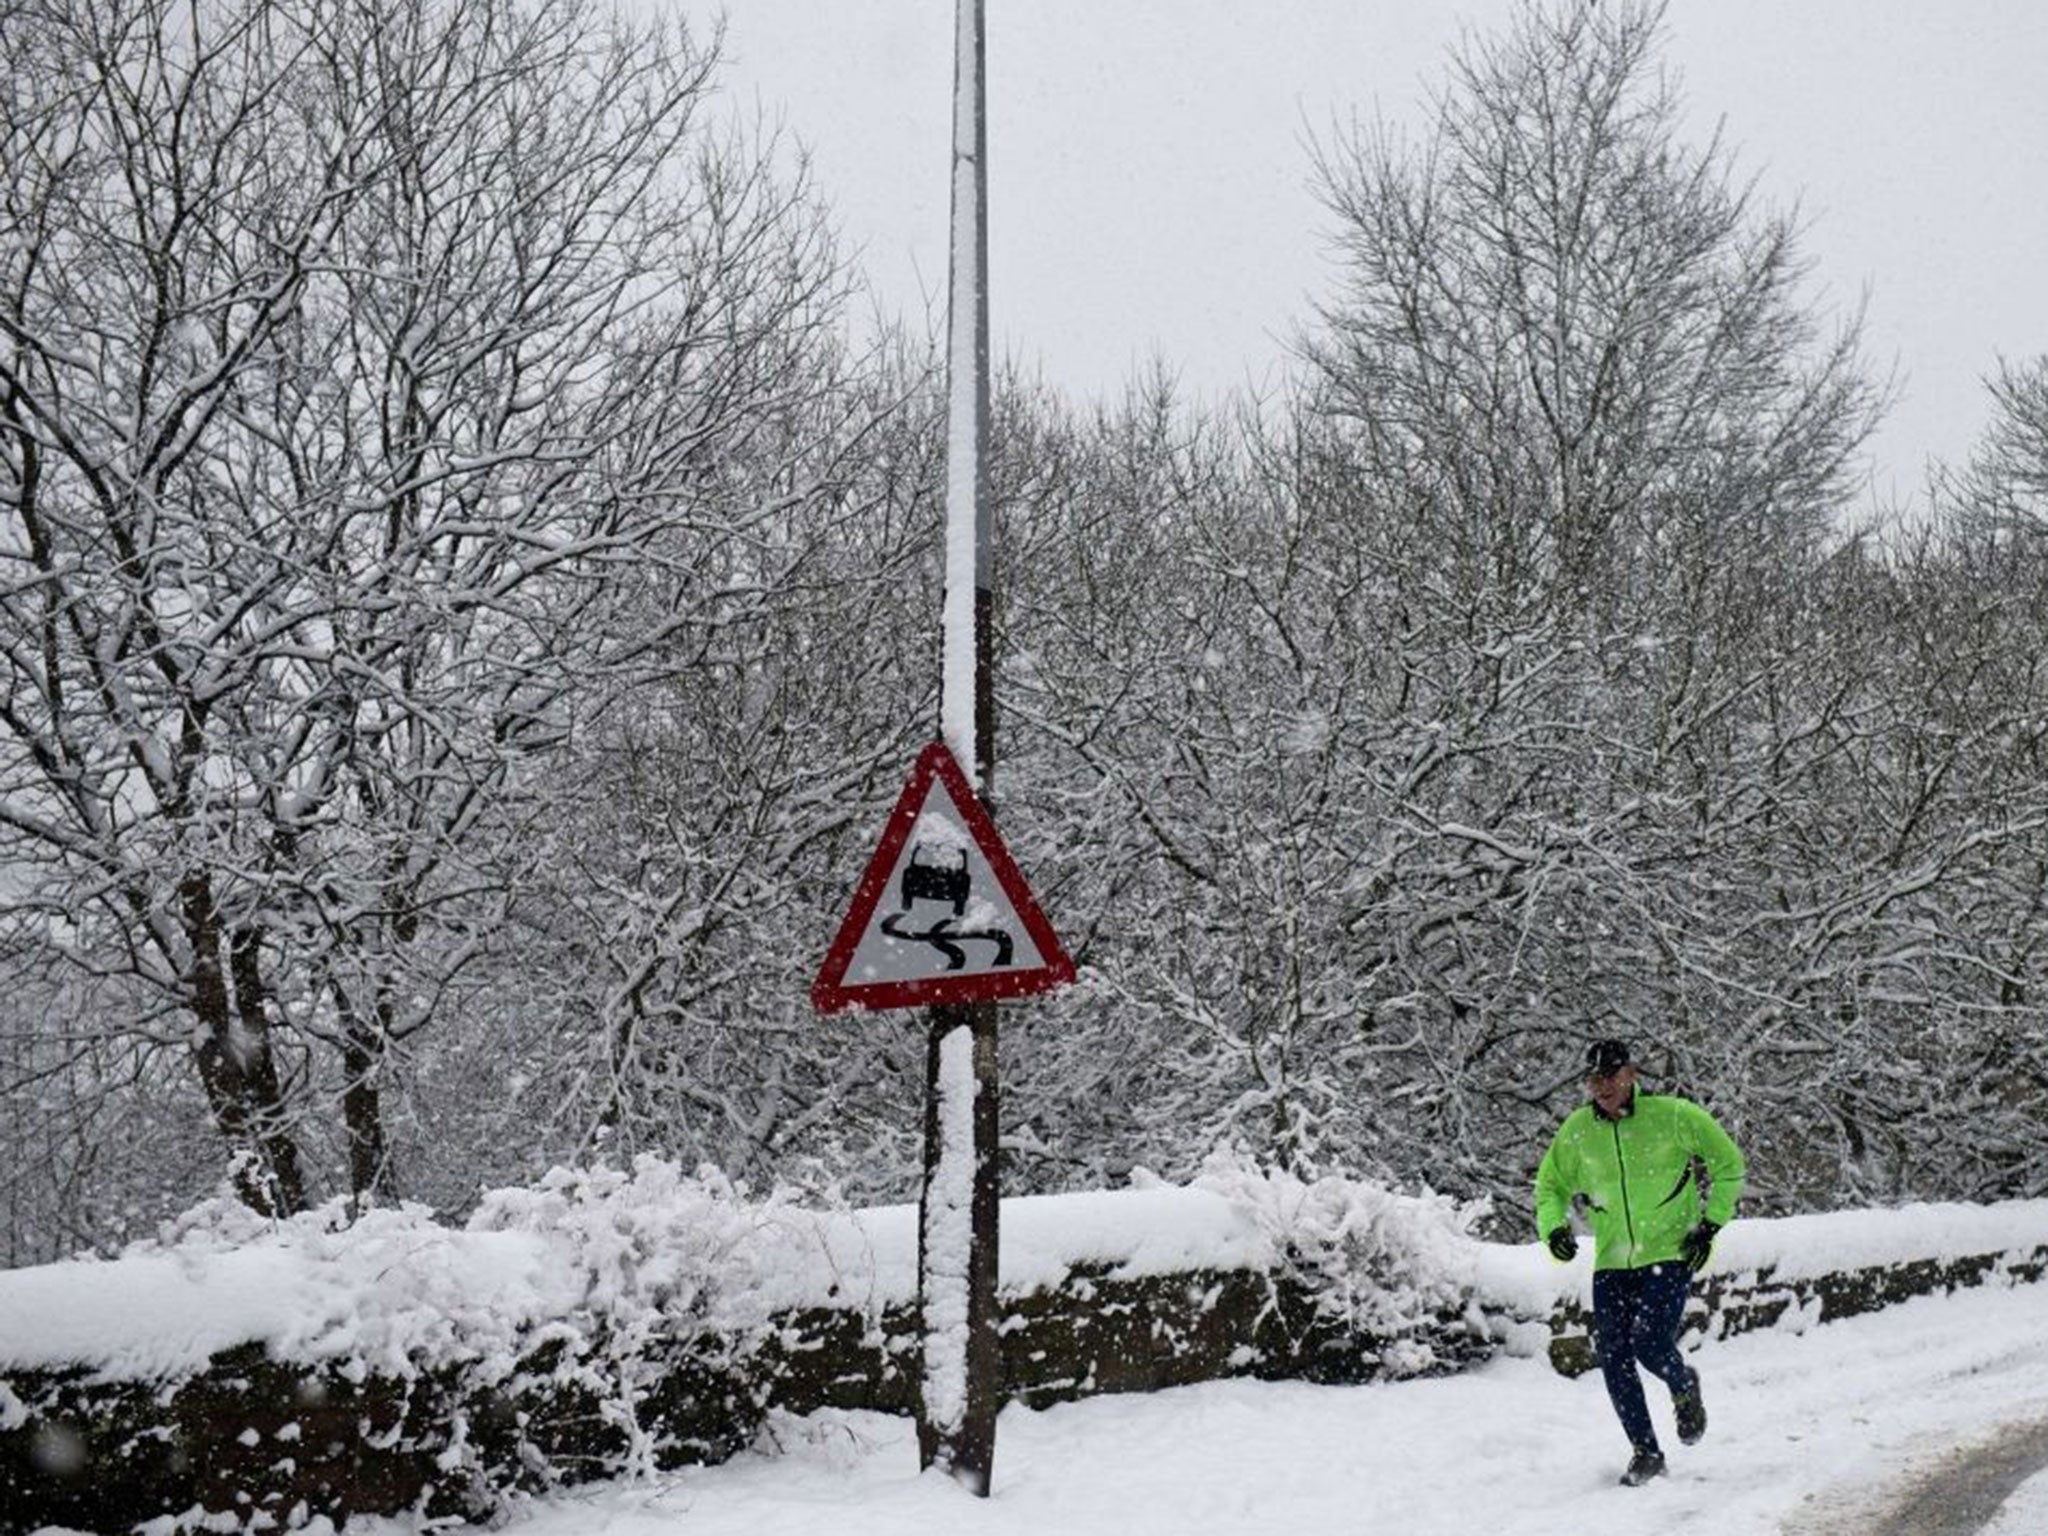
x,y
398,1292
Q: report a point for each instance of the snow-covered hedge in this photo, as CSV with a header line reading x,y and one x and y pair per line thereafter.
x,y
610,1321
1365,1281
602,1323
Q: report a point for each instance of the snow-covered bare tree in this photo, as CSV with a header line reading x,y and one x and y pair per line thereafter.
x,y
468,602
702,833
355,359
1462,636
2001,495
168,202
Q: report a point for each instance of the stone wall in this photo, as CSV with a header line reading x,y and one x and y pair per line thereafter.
x,y
1724,1305
258,1438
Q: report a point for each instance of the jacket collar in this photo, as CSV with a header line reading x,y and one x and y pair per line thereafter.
x,y
1627,1110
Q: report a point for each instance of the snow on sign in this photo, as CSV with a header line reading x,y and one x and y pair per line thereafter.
x,y
943,914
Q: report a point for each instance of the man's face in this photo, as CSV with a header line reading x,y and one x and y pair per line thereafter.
x,y
1613,1090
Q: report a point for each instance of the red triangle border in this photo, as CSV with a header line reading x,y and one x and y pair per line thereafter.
x,y
831,993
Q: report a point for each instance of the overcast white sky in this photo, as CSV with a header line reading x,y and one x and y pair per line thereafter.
x,y
1148,171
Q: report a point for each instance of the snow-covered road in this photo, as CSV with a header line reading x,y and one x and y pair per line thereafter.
x,y
1812,1434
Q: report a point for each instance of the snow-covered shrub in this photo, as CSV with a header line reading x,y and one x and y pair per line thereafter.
x,y
225,1221
1388,1276
607,1322
679,1281
652,1246
604,1321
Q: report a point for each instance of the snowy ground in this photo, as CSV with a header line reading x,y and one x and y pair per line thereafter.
x,y
1810,1435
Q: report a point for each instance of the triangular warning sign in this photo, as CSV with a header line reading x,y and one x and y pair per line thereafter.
x,y
943,914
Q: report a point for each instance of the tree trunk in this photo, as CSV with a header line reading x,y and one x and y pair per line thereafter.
x,y
362,1103
235,1065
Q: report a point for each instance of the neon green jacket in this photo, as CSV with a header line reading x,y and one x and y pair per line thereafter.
x,y
1639,1175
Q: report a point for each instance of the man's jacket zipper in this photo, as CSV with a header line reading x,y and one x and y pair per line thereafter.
x,y
1627,1216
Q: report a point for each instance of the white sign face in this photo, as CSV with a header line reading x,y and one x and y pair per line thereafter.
x,y
943,911
943,914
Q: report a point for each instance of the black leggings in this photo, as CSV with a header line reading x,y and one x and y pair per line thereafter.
x,y
1636,1313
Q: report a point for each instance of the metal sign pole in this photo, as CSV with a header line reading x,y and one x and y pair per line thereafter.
x,y
960,1199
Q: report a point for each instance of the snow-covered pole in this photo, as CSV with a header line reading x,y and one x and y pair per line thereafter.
x,y
967,694
957,1237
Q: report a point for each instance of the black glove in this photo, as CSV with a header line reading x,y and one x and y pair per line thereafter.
x,y
1564,1244
1698,1243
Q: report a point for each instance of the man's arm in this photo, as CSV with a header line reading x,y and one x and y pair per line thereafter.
x,y
1725,1167
1553,1189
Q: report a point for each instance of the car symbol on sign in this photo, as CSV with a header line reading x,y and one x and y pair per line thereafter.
x,y
930,880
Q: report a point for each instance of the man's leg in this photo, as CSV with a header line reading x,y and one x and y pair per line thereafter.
x,y
1616,1327
1661,1291
1660,1313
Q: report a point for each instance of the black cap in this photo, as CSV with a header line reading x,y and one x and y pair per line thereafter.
x,y
1606,1056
